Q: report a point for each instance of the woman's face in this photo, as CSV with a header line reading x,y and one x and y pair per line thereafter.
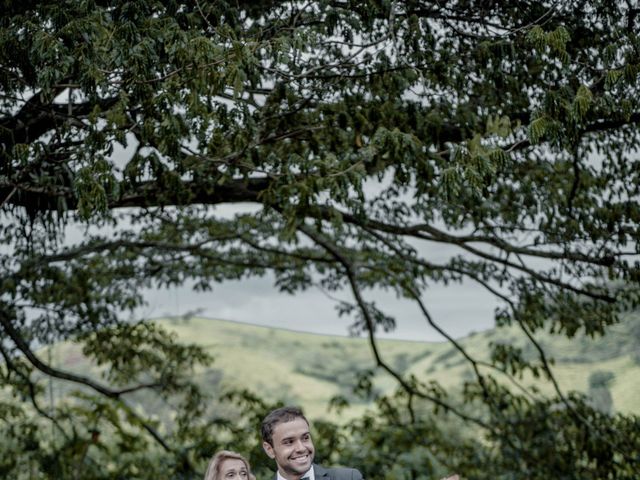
x,y
232,469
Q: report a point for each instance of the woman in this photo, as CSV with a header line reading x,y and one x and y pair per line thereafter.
x,y
227,465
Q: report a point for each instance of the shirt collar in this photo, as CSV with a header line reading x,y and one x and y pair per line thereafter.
x,y
309,474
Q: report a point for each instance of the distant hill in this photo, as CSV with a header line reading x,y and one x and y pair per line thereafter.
x,y
309,369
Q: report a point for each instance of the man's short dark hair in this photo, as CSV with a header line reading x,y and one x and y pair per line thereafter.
x,y
279,415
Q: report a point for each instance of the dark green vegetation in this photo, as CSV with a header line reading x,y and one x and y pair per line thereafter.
x,y
363,134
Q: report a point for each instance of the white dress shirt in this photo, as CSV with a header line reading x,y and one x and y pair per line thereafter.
x,y
309,474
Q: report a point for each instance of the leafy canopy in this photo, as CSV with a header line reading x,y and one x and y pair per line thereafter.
x,y
363,132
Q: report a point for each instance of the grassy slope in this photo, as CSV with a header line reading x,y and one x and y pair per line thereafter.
x,y
574,361
309,369
298,367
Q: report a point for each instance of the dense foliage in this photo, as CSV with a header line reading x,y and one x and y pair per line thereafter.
x,y
363,132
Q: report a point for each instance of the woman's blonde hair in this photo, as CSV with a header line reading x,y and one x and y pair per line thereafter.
x,y
213,470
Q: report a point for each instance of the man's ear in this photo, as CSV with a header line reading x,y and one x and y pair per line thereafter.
x,y
268,449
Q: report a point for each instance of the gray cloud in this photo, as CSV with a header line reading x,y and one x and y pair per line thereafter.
x,y
458,309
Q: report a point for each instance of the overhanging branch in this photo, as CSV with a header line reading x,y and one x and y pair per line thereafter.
x,y
22,345
334,251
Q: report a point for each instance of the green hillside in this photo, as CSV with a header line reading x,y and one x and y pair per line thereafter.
x,y
297,367
574,361
310,369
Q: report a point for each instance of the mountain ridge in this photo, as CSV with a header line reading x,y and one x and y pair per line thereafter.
x,y
310,368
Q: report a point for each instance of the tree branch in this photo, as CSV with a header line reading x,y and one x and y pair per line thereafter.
x,y
33,396
22,345
351,276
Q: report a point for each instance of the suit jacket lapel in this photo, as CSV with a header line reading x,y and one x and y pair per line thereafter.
x,y
320,473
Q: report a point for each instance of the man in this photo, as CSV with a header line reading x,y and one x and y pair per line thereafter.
x,y
287,440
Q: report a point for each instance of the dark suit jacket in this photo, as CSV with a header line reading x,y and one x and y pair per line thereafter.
x,y
322,473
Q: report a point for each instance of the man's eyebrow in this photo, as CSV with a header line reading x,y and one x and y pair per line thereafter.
x,y
291,437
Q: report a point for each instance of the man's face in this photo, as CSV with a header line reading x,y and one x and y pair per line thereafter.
x,y
292,448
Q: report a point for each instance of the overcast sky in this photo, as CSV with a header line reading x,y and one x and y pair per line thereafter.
x,y
458,309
